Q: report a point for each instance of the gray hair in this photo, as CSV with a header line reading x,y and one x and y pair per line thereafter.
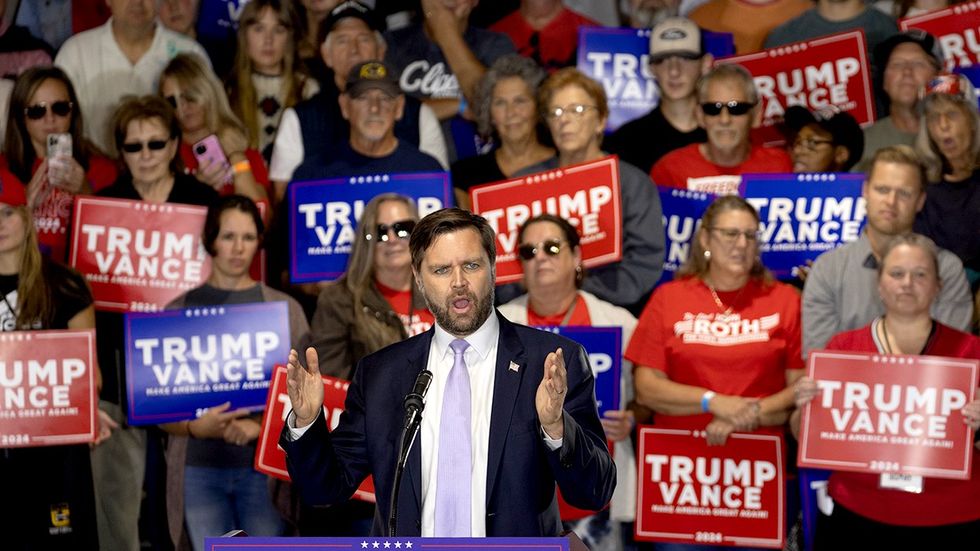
x,y
930,156
508,66
732,71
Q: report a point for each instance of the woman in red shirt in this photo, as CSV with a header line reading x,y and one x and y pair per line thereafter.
x,y
42,104
930,513
717,348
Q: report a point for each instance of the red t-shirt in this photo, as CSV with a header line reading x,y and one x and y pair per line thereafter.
x,y
52,216
942,501
683,333
580,315
259,171
556,42
416,320
687,168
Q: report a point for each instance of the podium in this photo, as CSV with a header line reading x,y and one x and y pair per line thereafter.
x,y
569,543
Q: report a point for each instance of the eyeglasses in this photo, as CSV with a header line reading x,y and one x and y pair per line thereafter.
x,y
730,235
37,111
576,110
735,108
551,247
402,228
152,145
810,144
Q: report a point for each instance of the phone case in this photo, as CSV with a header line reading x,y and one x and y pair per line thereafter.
x,y
59,145
209,149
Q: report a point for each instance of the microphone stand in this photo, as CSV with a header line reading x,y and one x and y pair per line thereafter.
x,y
413,420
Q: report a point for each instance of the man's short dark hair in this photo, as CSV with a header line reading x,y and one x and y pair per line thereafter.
x,y
448,221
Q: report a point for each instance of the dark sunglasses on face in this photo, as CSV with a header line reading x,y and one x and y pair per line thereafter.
x,y
37,111
152,145
735,108
551,247
402,228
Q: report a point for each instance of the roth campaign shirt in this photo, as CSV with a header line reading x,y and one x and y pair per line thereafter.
x,y
747,352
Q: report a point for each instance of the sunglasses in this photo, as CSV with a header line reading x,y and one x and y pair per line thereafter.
x,y
152,145
173,99
551,247
37,111
402,228
735,108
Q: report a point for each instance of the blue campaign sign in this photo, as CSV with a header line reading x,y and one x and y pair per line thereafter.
x,y
324,213
682,214
396,543
604,345
218,19
618,58
181,362
814,498
804,215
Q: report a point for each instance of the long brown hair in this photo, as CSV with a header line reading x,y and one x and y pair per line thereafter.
x,y
696,264
241,91
34,302
359,278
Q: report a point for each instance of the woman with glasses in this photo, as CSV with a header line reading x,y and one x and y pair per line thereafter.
x,y
924,512
551,260
507,111
202,110
211,485
43,108
267,76
718,348
574,106
949,145
374,304
823,141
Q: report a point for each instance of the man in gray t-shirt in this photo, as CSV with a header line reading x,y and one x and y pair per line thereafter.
x,y
832,17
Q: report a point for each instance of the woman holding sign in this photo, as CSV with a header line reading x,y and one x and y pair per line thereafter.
x,y
50,486
873,511
575,108
211,485
553,274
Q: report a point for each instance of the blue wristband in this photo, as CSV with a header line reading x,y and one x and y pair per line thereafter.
x,y
706,400
462,105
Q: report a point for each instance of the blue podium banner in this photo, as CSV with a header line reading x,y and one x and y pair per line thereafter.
x,y
604,345
386,544
804,215
682,215
324,213
181,362
618,58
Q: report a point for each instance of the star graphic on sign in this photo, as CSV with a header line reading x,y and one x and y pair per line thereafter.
x,y
375,545
398,545
363,545
408,545
387,545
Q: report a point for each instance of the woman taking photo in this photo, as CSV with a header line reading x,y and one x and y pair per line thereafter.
x,y
38,293
202,110
944,513
574,106
551,260
949,145
43,103
698,376
506,111
267,76
211,485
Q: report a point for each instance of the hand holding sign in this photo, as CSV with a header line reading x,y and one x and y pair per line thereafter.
x,y
741,413
718,431
551,394
213,422
971,414
305,387
617,424
241,431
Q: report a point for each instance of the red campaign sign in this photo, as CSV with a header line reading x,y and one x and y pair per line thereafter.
x,y
827,72
889,414
48,383
138,256
587,195
269,457
956,28
690,492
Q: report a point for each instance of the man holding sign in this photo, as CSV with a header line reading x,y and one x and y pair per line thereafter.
x,y
893,510
495,386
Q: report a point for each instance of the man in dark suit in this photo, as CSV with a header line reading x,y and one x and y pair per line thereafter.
x,y
510,412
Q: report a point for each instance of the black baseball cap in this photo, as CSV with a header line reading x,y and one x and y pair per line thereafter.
x,y
353,9
842,127
372,74
926,41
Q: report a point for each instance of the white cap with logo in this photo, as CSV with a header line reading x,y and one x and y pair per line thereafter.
x,y
675,36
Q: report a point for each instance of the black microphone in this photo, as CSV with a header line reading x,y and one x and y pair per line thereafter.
x,y
414,400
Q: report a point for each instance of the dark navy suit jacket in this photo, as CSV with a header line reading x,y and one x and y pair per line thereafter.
x,y
327,467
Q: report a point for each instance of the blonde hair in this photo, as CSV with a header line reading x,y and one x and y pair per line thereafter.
x,y
201,86
34,302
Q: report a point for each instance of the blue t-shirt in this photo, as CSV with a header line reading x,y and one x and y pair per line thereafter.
x,y
347,162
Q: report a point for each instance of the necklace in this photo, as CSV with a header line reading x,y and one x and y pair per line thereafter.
x,y
721,306
884,334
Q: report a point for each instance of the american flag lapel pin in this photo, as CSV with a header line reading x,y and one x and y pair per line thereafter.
x,y
514,367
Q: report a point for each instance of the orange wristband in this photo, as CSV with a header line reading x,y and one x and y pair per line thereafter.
x,y
242,166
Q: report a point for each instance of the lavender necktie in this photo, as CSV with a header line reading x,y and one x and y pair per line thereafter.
x,y
455,461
